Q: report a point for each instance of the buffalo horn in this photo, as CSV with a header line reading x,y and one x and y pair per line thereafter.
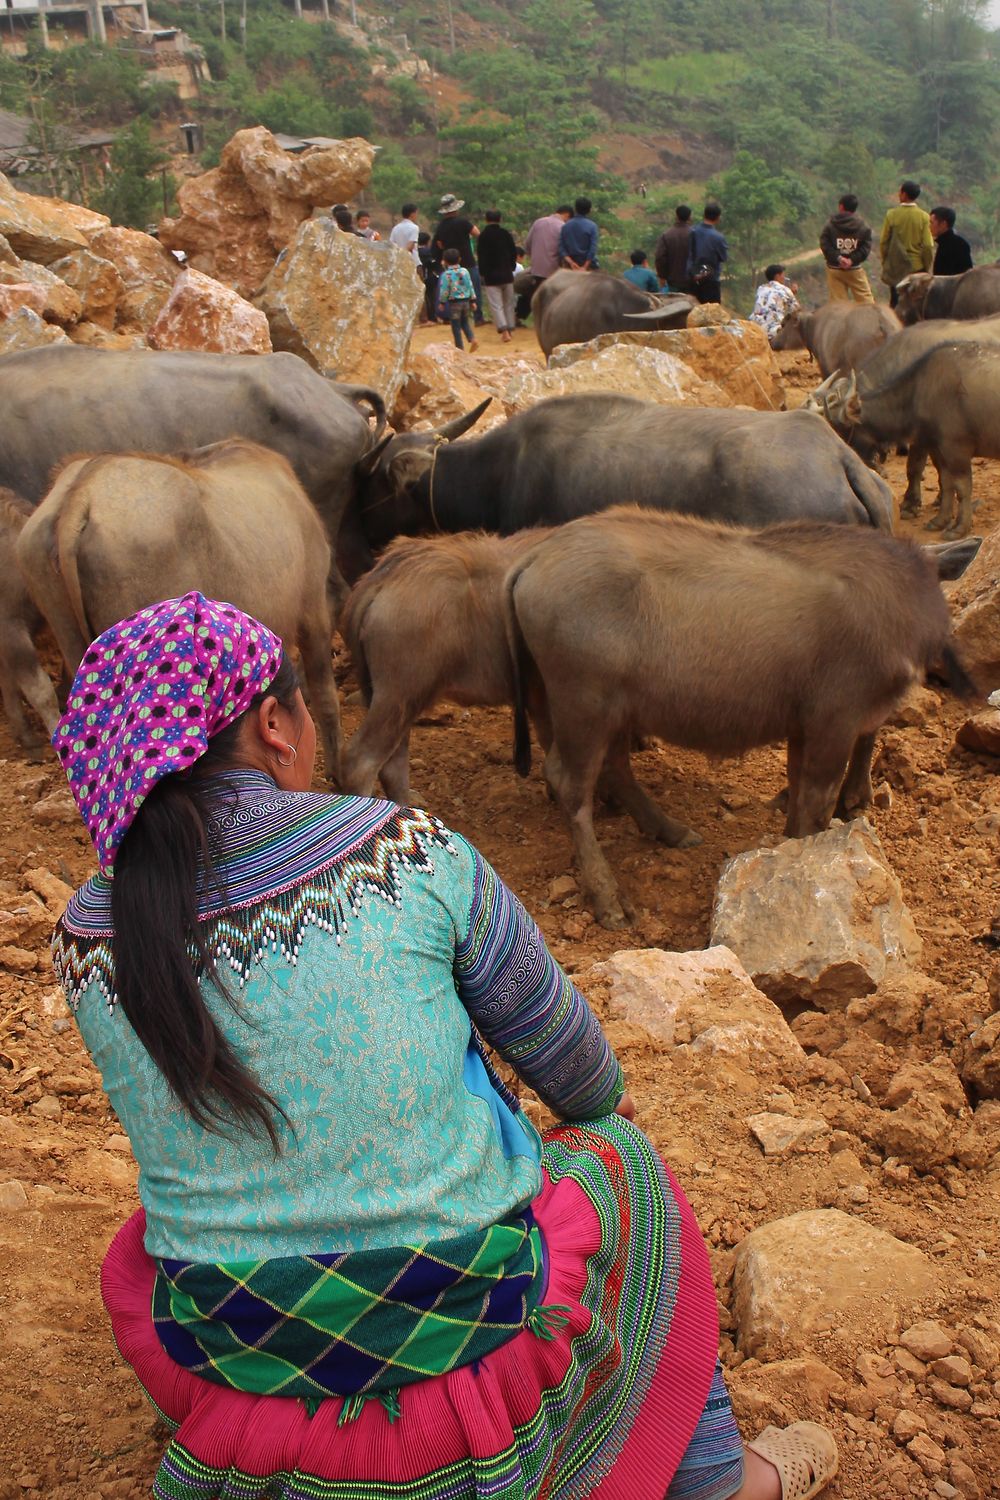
x,y
368,462
455,428
669,307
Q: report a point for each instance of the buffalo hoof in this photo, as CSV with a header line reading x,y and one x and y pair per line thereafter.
x,y
909,509
688,840
954,533
938,523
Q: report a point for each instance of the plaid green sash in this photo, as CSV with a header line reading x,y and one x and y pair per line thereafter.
x,y
353,1324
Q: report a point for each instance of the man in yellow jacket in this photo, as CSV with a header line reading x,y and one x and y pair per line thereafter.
x,y
906,243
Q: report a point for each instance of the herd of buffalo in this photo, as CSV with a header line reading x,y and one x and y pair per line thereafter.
x,y
608,567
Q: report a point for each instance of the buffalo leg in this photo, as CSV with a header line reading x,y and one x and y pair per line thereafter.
x,y
916,462
856,793
649,818
821,776
962,489
21,673
373,750
574,770
314,644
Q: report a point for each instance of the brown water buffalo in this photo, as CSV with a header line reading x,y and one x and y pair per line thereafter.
x,y
719,639
839,335
945,404
571,307
120,531
424,626
971,294
21,673
65,400
571,455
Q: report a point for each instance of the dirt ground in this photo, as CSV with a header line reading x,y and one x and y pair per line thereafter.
x,y
75,1423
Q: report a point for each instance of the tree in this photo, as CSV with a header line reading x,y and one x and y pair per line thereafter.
x,y
756,202
130,195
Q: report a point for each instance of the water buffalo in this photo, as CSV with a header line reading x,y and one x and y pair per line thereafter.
x,y
719,639
65,400
425,625
946,403
571,307
839,335
896,355
972,294
21,673
572,455
120,531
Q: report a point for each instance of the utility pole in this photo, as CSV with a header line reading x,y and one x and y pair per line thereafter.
x,y
222,21
243,25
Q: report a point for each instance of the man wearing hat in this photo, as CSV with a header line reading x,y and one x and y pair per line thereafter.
x,y
456,232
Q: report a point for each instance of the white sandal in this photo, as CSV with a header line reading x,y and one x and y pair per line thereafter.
x,y
804,1454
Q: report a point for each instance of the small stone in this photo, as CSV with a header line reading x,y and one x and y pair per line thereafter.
x,y
952,1368
118,1143
907,1426
927,1454
735,801
780,1135
12,1196
926,1341
944,1489
981,1349
949,1395
857,1193
55,809
981,733
18,960
964,1479
882,797
563,886
53,891
47,1107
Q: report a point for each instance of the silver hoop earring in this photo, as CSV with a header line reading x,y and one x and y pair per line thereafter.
x,y
286,763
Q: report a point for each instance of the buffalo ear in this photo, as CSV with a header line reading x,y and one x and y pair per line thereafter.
x,y
852,408
406,467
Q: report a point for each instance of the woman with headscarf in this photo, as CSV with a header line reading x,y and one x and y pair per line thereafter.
x,y
358,1272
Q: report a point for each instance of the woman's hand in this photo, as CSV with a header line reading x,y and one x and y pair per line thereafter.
x,y
626,1107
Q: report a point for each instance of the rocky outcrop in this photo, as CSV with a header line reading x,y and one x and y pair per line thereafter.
x,y
610,364
203,314
345,305
975,604
44,229
146,269
235,219
705,1001
97,283
981,733
817,920
823,1269
24,329
733,357
17,294
59,303
443,382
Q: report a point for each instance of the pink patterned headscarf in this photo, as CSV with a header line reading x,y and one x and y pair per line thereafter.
x,y
148,696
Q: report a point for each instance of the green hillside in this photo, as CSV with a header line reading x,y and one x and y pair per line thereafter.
x,y
777,106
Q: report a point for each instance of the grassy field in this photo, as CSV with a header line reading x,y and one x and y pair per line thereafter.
x,y
688,75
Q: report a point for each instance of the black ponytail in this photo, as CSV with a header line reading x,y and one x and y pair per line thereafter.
x,y
154,910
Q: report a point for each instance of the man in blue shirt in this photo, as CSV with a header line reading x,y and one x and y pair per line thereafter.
x,y
578,239
707,254
639,273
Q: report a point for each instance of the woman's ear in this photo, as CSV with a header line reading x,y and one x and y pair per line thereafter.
x,y
268,725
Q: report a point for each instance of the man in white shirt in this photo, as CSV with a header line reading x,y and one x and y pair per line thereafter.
x,y
404,234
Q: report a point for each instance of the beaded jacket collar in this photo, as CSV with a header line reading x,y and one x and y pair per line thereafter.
x,y
283,861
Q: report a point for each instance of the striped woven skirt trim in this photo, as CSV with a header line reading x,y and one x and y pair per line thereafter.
x,y
606,1408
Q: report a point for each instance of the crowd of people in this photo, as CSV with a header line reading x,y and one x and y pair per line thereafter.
x,y
461,264
911,239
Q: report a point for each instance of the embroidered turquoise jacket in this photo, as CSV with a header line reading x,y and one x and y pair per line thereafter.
x,y
366,949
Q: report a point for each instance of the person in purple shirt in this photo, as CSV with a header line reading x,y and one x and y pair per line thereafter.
x,y
542,249
578,239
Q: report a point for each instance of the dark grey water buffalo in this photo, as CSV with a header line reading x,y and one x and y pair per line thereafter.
x,y
946,403
839,335
572,455
972,294
62,401
572,306
718,639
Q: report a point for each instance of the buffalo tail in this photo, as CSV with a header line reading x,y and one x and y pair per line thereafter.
x,y
520,663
